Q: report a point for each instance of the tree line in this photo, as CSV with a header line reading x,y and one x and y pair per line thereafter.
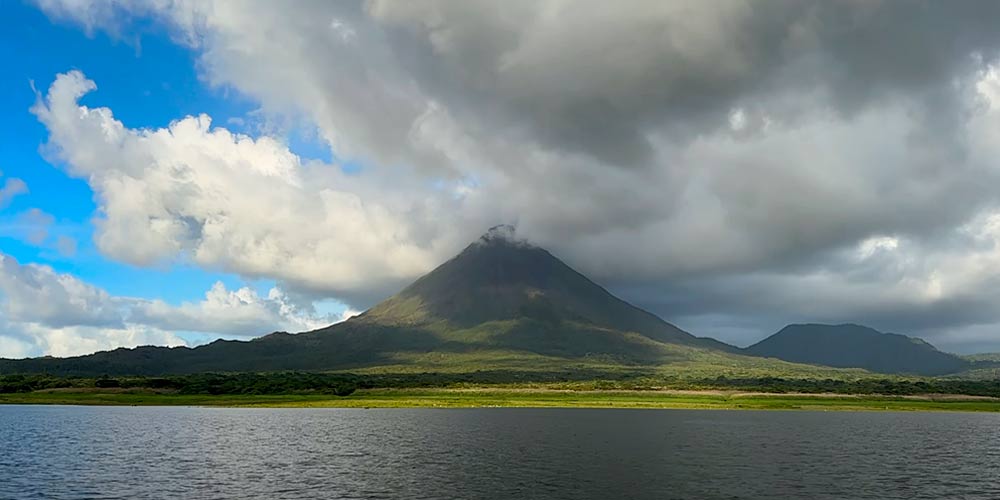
x,y
343,384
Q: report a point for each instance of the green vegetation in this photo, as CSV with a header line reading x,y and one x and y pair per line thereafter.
x,y
212,384
619,389
984,357
981,367
500,397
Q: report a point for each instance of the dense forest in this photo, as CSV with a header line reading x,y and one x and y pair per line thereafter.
x,y
342,384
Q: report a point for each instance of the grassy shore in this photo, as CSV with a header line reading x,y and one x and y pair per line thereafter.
x,y
494,397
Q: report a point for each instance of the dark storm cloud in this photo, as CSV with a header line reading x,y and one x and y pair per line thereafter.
x,y
598,77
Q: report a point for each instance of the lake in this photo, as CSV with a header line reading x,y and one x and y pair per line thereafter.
x,y
184,453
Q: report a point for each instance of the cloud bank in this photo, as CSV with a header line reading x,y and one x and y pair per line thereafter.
x,y
43,311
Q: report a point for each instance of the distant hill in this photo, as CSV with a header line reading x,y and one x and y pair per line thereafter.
x,y
986,357
983,366
499,303
855,346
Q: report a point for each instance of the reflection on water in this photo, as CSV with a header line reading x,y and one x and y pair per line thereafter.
x,y
121,452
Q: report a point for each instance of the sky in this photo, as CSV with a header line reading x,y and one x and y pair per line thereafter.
x,y
176,171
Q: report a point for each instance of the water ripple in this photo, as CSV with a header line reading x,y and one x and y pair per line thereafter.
x,y
183,453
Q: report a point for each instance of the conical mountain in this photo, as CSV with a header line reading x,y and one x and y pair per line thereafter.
x,y
501,278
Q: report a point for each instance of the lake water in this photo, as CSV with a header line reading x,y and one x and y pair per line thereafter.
x,y
188,453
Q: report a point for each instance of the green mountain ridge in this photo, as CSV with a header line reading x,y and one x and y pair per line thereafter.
x,y
983,357
856,346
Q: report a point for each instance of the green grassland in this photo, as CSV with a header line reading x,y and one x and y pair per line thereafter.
x,y
577,387
513,397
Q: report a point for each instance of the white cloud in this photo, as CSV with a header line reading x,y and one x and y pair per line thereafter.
x,y
35,339
11,188
349,313
66,246
13,348
46,312
38,223
237,312
226,200
31,226
37,294
876,244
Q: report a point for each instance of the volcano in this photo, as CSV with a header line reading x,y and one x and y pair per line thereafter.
x,y
500,278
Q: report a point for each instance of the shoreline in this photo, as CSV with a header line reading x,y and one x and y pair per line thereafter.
x,y
492,397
